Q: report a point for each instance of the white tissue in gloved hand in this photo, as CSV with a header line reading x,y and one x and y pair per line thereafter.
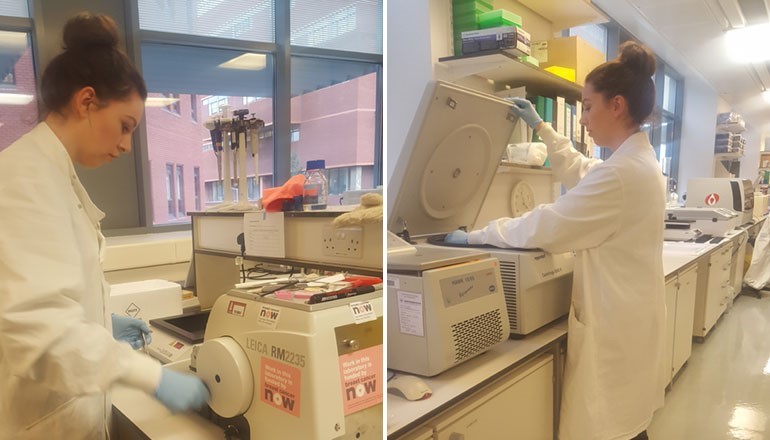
x,y
528,153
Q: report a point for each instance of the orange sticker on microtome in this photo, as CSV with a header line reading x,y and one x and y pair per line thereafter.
x,y
280,386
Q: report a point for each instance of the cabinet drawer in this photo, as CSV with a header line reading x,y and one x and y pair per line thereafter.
x,y
520,405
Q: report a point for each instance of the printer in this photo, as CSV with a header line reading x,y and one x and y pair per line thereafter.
x,y
282,368
721,192
716,222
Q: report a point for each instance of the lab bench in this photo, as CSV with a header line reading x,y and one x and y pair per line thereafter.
x,y
515,374
468,398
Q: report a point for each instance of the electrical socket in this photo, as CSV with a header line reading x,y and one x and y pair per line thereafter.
x,y
343,242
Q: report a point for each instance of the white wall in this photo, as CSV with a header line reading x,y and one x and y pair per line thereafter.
x,y
408,69
696,152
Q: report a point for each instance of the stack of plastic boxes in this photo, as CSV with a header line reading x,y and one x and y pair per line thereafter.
x,y
465,17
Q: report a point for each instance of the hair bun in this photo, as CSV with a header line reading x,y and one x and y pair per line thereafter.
x,y
87,31
638,58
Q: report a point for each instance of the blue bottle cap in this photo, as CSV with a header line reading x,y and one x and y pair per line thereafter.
x,y
316,164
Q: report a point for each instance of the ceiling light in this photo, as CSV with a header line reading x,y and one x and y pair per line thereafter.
x,y
766,95
159,101
247,61
749,44
15,99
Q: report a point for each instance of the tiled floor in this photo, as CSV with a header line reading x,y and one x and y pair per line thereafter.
x,y
723,392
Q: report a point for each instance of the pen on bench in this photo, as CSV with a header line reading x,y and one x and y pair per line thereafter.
x,y
339,294
270,289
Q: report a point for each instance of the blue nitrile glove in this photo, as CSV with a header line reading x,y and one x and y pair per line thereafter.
x,y
181,392
526,111
457,237
128,329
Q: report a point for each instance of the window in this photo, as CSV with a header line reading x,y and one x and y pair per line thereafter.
x,y
669,93
194,107
187,143
229,61
18,110
14,8
250,20
180,191
170,190
197,187
214,193
253,189
354,26
347,179
214,104
593,34
335,103
173,102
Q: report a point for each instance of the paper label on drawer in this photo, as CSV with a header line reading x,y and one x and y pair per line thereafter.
x,y
280,386
361,378
410,313
363,311
268,316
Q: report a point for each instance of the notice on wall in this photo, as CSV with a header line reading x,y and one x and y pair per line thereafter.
x,y
264,234
280,386
361,378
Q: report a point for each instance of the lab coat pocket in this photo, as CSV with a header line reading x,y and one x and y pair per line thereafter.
x,y
49,420
77,418
575,330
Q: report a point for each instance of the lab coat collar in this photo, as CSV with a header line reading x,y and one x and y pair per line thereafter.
x,y
53,148
633,143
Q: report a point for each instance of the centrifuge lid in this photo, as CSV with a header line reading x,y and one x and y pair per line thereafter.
x,y
449,159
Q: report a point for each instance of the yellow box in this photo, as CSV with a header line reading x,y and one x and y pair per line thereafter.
x,y
564,72
573,53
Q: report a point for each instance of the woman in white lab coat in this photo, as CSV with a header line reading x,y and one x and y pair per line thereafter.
x,y
612,218
58,357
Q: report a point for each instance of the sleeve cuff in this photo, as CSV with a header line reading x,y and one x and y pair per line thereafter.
x,y
476,237
547,133
143,373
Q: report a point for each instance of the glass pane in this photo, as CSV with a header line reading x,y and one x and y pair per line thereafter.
x,y
195,78
14,8
333,118
197,187
669,93
18,110
350,25
666,144
250,20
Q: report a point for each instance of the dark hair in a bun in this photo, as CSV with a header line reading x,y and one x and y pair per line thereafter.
x,y
91,57
630,76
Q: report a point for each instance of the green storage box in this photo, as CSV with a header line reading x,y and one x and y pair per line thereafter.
x,y
497,18
487,3
470,8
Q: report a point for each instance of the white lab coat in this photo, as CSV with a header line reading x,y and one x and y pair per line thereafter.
x,y
612,218
758,274
57,355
